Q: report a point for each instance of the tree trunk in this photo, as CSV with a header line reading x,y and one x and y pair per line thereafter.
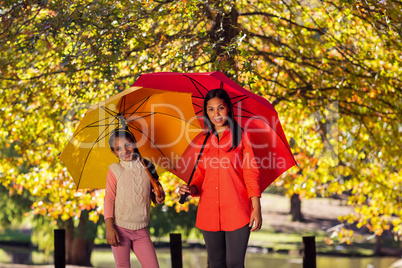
x,y
223,31
80,241
295,208
377,246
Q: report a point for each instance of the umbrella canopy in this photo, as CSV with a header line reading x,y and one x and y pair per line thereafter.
x,y
253,113
162,122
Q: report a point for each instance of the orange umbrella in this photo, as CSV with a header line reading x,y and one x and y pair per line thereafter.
x,y
163,123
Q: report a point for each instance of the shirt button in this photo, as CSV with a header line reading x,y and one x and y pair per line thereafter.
x,y
216,188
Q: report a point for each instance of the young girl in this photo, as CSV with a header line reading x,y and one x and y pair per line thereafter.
x,y
227,180
127,203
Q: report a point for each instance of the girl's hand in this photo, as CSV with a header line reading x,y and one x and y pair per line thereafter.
x,y
256,217
112,237
159,199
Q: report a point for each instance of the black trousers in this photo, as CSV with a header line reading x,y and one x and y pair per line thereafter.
x,y
227,249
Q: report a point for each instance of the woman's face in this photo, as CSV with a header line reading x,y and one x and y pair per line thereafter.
x,y
218,111
124,149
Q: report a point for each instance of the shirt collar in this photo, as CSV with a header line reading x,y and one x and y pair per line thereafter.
x,y
224,133
131,164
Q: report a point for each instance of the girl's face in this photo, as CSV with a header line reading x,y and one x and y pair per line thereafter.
x,y
218,111
124,149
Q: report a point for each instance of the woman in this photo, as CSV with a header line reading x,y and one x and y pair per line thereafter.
x,y
227,181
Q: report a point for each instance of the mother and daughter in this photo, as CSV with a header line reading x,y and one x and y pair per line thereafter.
x,y
229,206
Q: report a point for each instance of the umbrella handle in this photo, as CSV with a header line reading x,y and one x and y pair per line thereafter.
x,y
183,198
153,181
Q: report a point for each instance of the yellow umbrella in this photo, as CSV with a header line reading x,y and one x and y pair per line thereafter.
x,y
163,123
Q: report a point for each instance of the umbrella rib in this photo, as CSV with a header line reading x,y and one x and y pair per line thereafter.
x,y
86,158
199,106
244,97
159,113
244,110
139,130
110,112
122,102
260,118
93,125
142,101
113,114
194,82
176,118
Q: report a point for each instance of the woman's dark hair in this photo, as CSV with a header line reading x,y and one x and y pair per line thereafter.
x,y
121,133
233,125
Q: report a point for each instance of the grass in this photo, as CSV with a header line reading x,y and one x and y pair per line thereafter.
x,y
15,236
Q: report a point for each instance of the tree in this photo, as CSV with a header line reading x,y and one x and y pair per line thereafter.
x,y
330,68
14,207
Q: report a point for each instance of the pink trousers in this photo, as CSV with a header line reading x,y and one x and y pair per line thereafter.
x,y
141,244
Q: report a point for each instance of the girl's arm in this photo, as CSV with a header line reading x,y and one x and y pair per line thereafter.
x,y
160,199
110,195
112,236
152,171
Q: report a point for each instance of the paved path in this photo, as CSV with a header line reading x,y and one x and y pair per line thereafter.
x,y
397,264
319,213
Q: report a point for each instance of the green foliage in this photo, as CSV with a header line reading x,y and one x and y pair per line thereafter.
x,y
43,234
165,220
14,236
14,208
173,216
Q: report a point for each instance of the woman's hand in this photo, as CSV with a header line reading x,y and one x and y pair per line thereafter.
x,y
159,199
256,217
112,237
185,189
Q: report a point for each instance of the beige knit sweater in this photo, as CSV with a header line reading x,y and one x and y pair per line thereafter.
x,y
132,203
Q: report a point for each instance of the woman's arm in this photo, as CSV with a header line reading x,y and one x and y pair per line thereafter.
x,y
251,173
256,217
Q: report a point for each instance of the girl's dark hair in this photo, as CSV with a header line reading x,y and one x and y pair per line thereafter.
x,y
121,133
233,125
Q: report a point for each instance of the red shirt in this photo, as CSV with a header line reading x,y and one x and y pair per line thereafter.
x,y
226,180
